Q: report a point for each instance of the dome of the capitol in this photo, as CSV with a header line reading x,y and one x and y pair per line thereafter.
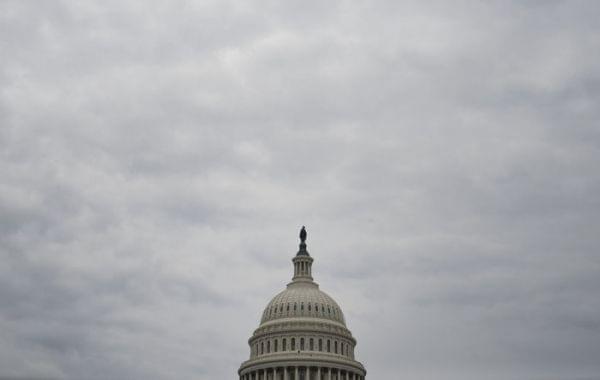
x,y
303,301
302,333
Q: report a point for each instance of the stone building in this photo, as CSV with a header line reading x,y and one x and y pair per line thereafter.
x,y
302,334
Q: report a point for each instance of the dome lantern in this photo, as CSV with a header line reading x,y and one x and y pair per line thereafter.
x,y
302,261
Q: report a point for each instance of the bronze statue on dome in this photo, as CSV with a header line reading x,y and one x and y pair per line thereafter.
x,y
303,235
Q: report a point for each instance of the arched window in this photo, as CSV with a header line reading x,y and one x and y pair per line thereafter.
x,y
293,344
320,344
269,346
328,345
262,348
311,344
284,344
275,345
309,307
295,306
316,308
302,344
288,306
335,347
302,306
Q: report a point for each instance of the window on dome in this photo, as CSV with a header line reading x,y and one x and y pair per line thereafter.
x,y
280,308
311,344
320,344
275,345
256,349
295,306
328,345
269,346
316,308
329,310
309,307
302,306
301,344
262,348
293,344
335,347
284,344
288,306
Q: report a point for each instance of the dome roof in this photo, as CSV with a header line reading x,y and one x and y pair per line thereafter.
x,y
303,300
302,332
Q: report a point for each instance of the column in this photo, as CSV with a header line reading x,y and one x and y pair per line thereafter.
x,y
318,373
285,373
329,374
296,373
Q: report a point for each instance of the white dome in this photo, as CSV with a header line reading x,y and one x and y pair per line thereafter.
x,y
302,333
303,300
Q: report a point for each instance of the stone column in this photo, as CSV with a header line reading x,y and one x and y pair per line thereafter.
x,y
296,373
329,374
318,373
285,373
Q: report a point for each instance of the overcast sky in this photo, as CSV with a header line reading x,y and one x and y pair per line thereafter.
x,y
157,160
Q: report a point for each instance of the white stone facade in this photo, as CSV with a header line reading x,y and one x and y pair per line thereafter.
x,y
302,334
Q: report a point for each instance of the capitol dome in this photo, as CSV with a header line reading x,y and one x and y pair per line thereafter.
x,y
302,300
302,333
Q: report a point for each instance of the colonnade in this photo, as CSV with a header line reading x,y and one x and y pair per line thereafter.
x,y
301,373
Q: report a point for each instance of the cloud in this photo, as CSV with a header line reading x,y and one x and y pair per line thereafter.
x,y
158,159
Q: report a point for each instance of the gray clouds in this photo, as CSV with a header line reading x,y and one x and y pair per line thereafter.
x,y
158,158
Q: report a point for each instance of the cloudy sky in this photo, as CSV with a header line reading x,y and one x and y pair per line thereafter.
x,y
157,159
